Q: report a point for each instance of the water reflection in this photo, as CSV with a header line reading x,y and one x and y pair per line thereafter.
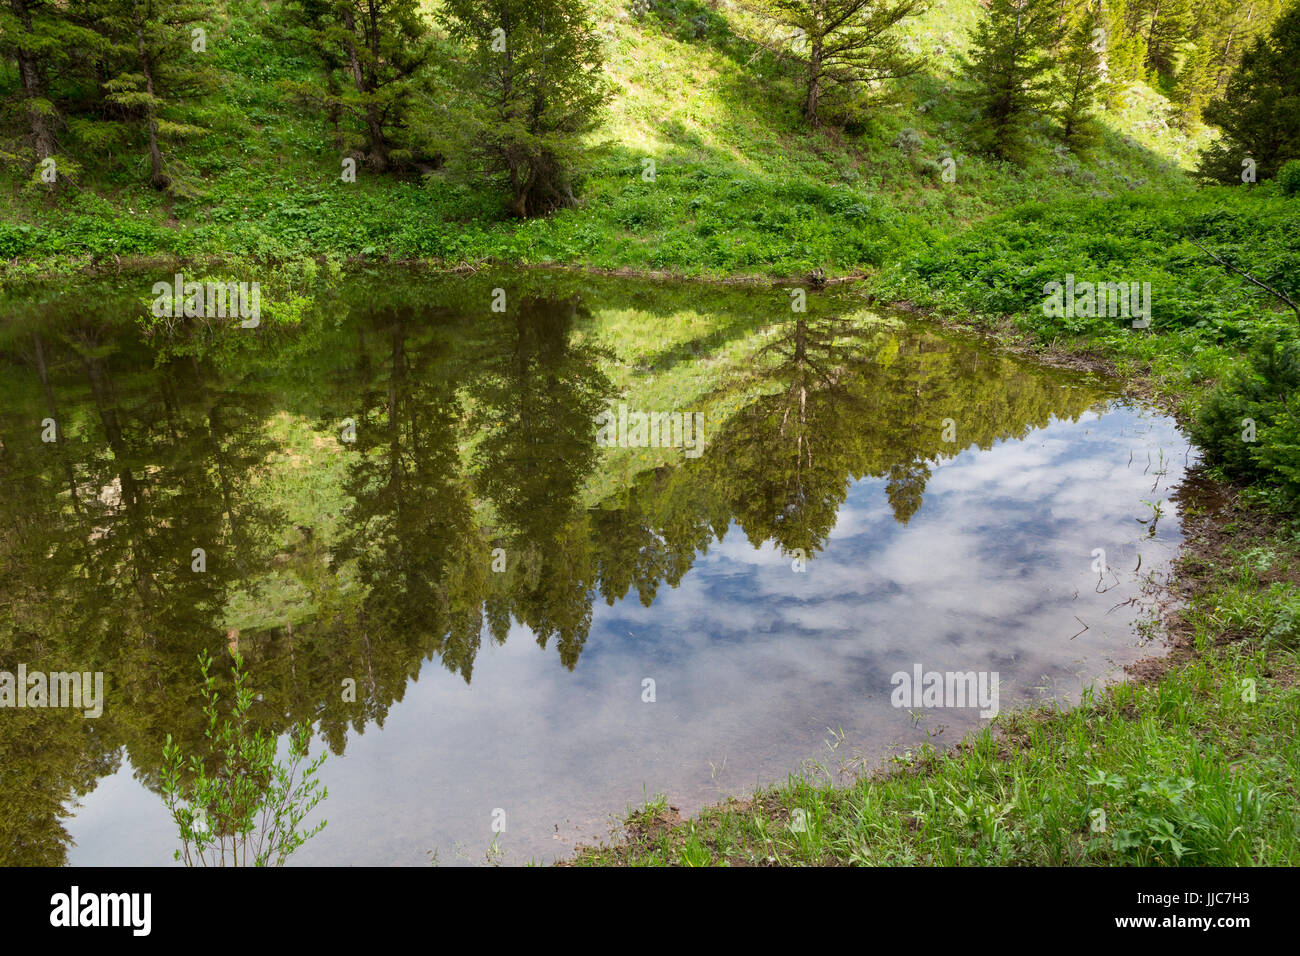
x,y
332,552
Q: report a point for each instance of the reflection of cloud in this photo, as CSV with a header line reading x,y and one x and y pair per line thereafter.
x,y
752,661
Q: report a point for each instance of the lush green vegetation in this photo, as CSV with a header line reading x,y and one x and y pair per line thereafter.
x,y
740,183
1202,312
948,157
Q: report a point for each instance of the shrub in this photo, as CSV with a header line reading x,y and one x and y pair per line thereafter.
x,y
241,805
1250,424
1288,178
908,141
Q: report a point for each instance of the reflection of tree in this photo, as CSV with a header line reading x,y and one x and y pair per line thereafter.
x,y
905,487
846,400
411,525
47,757
473,431
178,476
790,454
536,394
138,478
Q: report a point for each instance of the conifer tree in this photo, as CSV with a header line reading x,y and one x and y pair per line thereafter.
x,y
371,51
1192,88
844,46
155,58
1011,69
40,38
1259,112
1078,80
1168,28
531,86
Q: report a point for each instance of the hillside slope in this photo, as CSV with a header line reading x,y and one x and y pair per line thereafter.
x,y
741,186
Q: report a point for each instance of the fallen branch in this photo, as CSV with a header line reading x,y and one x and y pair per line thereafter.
x,y
1250,278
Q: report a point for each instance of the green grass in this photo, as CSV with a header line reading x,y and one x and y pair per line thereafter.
x,y
991,276
741,187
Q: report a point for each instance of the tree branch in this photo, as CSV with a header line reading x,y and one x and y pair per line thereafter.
x,y
1281,296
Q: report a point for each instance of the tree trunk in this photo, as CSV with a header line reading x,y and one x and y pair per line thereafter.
x,y
29,73
159,178
814,84
374,127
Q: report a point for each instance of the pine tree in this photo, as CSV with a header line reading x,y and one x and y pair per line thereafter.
x,y
1010,68
41,38
1259,112
1168,28
155,61
1192,88
844,46
371,51
530,86
1124,52
1078,80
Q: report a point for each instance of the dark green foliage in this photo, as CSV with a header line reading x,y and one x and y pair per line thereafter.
x,y
1259,112
1288,177
1169,23
529,86
152,62
1250,424
370,51
43,42
1011,71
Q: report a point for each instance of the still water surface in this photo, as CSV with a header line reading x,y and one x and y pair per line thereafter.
x,y
353,480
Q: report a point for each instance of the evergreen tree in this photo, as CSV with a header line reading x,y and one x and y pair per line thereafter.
x,y
1192,88
843,45
371,51
1230,27
530,86
154,61
1168,28
1076,85
1259,112
41,39
1011,71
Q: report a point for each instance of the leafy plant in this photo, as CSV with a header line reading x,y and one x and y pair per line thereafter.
x,y
1250,424
1288,178
241,806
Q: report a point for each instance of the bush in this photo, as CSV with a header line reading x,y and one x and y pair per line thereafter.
x,y
908,141
1250,424
1288,177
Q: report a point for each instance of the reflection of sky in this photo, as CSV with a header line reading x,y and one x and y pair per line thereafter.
x,y
752,662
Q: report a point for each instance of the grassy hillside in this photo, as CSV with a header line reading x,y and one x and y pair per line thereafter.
x,y
741,185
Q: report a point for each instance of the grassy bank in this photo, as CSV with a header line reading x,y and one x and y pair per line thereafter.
x,y
741,185
1192,762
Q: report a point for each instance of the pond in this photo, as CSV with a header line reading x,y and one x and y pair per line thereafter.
x,y
527,550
